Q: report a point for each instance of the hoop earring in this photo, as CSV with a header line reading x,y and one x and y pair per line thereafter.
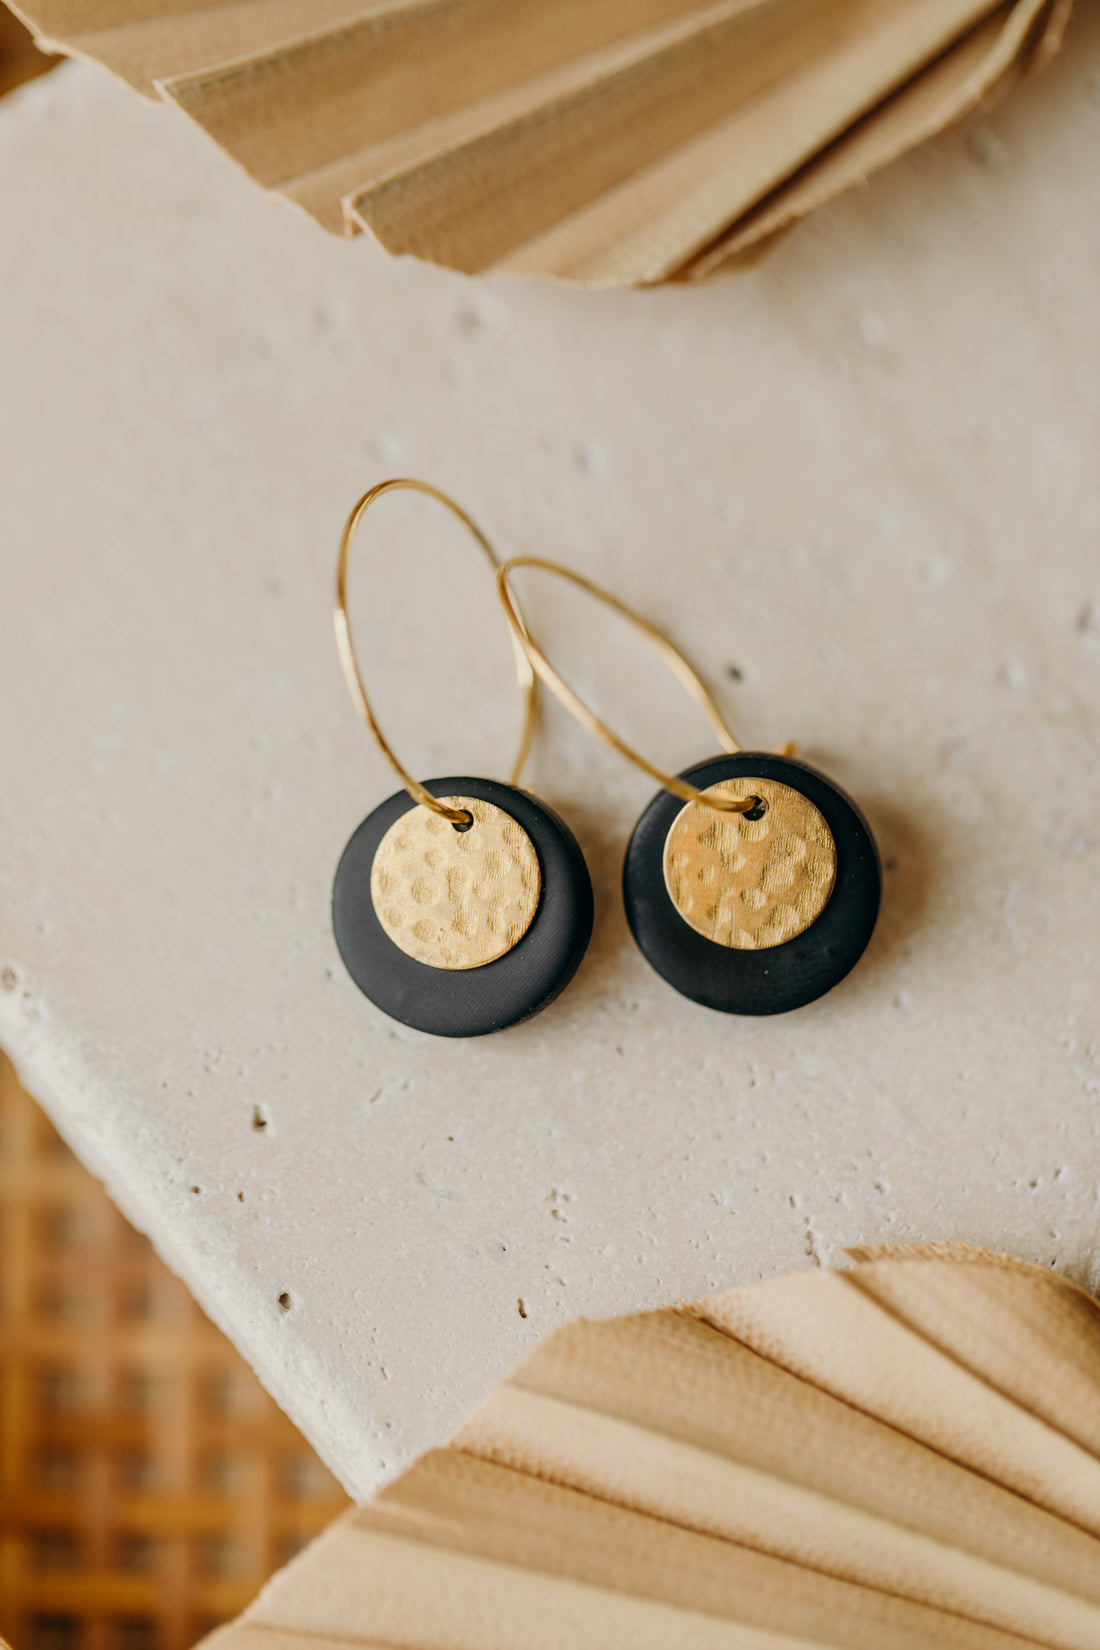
x,y
751,881
460,906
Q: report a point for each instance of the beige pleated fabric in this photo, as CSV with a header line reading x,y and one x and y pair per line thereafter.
x,y
606,142
902,1455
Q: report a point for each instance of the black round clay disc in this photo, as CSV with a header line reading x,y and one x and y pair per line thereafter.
x,y
467,1002
782,977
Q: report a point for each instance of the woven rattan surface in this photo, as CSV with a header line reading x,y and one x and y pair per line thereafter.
x,y
148,1484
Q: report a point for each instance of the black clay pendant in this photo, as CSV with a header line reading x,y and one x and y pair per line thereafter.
x,y
757,912
462,931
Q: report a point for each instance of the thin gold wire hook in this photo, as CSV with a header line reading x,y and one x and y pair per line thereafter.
x,y
673,658
525,673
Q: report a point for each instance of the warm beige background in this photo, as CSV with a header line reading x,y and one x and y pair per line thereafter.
x,y
864,475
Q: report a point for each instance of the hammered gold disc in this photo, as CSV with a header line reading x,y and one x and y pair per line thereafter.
x,y
750,884
456,899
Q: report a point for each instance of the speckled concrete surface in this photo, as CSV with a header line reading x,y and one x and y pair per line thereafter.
x,y
859,483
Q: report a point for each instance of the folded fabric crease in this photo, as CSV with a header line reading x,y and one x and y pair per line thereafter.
x,y
604,142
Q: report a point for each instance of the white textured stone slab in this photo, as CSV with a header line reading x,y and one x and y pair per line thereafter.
x,y
864,475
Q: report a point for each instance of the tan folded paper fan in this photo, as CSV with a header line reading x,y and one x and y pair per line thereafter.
x,y
906,1454
609,142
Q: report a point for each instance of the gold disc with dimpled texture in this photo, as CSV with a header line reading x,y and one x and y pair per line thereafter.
x,y
750,884
456,899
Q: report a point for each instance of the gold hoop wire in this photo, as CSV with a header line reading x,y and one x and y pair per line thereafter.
x,y
672,657
525,673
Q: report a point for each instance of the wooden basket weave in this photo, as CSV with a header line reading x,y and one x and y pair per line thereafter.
x,y
148,1484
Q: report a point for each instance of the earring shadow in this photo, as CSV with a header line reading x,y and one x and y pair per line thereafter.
x,y
603,847
907,844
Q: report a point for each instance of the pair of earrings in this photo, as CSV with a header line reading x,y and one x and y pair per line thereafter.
x,y
462,906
